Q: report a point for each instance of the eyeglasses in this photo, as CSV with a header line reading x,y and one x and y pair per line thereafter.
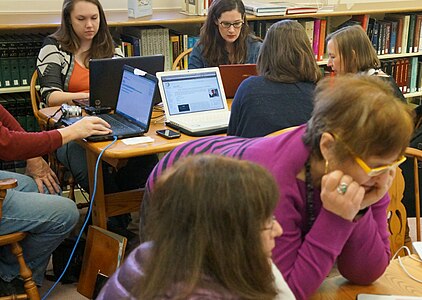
x,y
372,172
228,24
273,219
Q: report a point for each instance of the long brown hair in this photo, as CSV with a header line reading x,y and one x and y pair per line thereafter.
x,y
214,49
205,220
102,44
357,54
286,54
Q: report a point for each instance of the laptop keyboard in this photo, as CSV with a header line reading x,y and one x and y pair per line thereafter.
x,y
116,124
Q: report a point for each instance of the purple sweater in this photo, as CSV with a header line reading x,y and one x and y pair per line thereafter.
x,y
361,248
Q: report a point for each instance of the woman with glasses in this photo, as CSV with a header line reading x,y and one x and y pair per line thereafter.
x,y
350,51
225,37
333,174
210,235
281,96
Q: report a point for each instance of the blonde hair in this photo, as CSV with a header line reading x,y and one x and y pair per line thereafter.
x,y
356,51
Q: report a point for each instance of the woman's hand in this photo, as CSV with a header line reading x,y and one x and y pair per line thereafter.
x,y
380,188
85,127
345,202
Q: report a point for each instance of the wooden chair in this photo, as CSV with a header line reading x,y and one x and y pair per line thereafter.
x,y
13,240
65,178
177,62
396,211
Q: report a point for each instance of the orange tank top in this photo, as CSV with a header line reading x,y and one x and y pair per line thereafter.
x,y
79,80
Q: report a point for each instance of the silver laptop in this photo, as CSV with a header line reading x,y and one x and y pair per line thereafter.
x,y
194,101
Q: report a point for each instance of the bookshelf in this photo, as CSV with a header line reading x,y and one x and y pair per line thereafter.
x,y
118,21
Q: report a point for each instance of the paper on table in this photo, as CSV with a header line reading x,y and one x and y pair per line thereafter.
x,y
138,140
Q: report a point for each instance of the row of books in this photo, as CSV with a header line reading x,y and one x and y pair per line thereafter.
x,y
396,33
259,8
149,41
407,72
316,29
18,54
19,105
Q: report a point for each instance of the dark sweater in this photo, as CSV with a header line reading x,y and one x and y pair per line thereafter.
x,y
261,106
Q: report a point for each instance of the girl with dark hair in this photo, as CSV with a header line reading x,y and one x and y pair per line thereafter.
x,y
225,37
64,75
210,232
63,60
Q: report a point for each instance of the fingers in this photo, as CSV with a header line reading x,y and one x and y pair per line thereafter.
x,y
341,195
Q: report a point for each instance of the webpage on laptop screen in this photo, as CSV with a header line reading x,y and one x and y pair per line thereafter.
x,y
135,97
192,93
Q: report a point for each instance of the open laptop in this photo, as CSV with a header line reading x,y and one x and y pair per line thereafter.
x,y
105,75
134,106
233,75
194,101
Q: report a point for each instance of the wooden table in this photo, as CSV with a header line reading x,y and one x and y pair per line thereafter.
x,y
394,282
107,205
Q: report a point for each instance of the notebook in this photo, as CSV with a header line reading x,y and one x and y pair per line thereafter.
x,y
105,75
194,101
233,75
134,106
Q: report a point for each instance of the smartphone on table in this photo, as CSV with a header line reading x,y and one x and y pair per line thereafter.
x,y
168,133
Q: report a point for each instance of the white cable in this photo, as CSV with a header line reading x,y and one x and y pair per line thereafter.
x,y
407,250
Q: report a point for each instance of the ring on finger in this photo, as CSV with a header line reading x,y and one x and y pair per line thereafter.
x,y
342,188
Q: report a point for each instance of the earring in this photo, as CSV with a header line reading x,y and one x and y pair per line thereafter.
x,y
326,167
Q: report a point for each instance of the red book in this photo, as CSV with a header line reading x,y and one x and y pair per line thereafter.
x,y
322,35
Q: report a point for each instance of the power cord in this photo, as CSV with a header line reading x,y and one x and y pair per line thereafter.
x,y
86,219
407,250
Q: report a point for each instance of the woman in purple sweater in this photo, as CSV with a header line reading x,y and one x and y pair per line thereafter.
x,y
211,231
333,175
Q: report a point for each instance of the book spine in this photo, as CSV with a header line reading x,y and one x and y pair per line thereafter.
x,y
405,33
393,37
411,33
315,42
322,36
416,37
413,74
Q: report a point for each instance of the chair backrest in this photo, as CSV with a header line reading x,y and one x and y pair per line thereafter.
x,y
281,131
36,100
177,64
397,216
5,184
415,155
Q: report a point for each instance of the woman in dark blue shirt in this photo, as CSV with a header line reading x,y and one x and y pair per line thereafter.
x,y
281,96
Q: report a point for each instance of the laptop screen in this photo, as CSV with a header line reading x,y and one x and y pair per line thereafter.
x,y
135,97
192,92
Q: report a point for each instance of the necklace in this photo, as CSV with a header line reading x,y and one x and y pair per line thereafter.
x,y
309,195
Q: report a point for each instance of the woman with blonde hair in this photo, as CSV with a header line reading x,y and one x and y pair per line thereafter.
x,y
281,96
350,51
210,234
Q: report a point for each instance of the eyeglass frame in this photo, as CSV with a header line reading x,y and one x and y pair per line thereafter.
x,y
231,24
371,172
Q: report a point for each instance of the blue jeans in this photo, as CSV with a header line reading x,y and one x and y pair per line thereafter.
x,y
47,219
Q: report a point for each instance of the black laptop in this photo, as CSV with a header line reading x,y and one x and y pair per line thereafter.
x,y
105,75
134,106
